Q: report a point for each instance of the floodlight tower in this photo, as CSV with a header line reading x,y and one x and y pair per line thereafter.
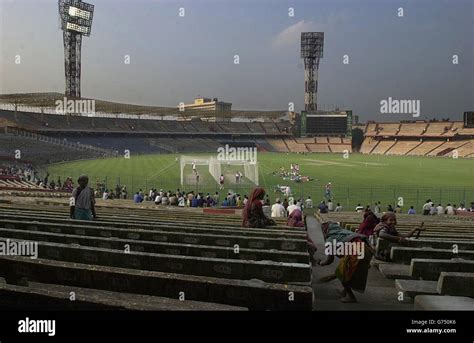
x,y
312,44
76,21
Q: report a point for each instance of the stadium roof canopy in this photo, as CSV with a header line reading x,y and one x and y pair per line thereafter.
x,y
48,100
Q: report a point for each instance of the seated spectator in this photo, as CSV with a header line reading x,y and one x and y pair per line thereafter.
x,y
449,209
225,203
426,208
330,205
398,209
173,200
323,207
278,211
105,196
390,208
338,208
252,214
181,201
291,206
411,210
165,200
309,202
433,210
439,209
367,227
386,230
461,208
137,198
359,208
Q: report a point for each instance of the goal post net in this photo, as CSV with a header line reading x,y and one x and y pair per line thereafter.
x,y
217,167
250,168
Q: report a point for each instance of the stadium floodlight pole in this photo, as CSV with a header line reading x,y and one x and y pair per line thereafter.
x,y
76,21
312,44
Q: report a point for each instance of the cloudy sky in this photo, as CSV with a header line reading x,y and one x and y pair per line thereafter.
x,y
174,59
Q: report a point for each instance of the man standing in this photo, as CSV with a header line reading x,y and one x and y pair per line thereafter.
x,y
221,181
327,191
82,201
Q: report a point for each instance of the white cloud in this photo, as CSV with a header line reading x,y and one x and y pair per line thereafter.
x,y
290,37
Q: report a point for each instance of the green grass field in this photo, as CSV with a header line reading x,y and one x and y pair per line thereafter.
x,y
357,179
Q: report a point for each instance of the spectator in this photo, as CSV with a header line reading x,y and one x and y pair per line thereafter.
x,y
411,210
278,211
338,208
377,208
359,208
323,207
369,223
352,272
173,200
292,207
449,209
462,208
386,230
83,202
439,210
433,210
105,196
285,204
225,203
137,198
252,214
426,208
309,202
330,205
398,209
390,208
181,200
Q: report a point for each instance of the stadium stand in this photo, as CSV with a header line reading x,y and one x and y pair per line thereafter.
x,y
412,129
447,147
293,146
388,129
402,147
318,147
194,256
425,147
437,129
368,145
383,147
279,145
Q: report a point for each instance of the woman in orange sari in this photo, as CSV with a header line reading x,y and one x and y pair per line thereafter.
x,y
353,268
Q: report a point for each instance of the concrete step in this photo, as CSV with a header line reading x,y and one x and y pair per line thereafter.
x,y
460,284
395,271
412,288
159,247
268,271
252,242
443,303
41,296
430,269
253,294
405,255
